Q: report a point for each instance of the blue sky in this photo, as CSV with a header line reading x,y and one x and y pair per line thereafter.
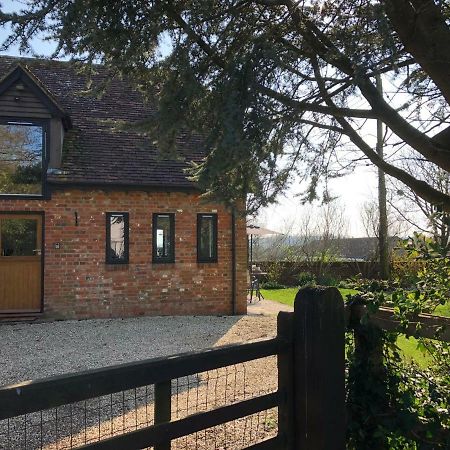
x,y
40,46
352,190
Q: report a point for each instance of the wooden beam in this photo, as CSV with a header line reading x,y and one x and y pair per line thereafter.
x,y
420,325
286,382
152,436
32,396
319,360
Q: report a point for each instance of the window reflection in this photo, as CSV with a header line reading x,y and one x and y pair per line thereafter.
x,y
163,238
207,237
21,157
18,237
117,238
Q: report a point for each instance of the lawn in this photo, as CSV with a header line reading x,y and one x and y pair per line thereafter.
x,y
443,310
407,345
287,295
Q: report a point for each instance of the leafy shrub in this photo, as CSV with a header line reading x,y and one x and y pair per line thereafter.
x,y
371,285
405,268
327,280
392,402
274,272
306,279
345,284
405,272
272,285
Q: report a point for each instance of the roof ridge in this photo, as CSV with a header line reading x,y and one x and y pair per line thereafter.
x,y
31,59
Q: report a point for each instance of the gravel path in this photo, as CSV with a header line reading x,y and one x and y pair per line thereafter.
x,y
31,351
266,307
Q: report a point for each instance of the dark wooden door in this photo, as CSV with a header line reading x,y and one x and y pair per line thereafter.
x,y
20,263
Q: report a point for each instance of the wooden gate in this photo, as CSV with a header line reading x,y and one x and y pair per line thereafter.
x,y
140,405
20,263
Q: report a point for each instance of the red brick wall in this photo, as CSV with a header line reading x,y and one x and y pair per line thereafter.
x,y
78,283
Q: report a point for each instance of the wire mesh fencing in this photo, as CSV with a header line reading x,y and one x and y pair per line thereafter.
x,y
76,424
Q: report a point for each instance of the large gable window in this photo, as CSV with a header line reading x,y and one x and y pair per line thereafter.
x,y
21,158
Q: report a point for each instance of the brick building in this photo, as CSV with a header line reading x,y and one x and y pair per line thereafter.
x,y
93,221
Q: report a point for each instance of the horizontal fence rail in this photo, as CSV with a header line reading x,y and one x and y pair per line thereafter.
x,y
159,434
50,392
420,325
175,388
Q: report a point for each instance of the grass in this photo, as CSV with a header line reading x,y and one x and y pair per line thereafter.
x,y
443,310
408,346
287,296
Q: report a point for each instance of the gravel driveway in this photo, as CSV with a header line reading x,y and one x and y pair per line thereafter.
x,y
266,307
31,351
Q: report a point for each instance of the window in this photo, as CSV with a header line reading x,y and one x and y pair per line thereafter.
x,y
117,238
207,237
163,238
18,237
21,158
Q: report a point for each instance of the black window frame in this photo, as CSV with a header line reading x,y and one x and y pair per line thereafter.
x,y
126,238
163,259
207,259
45,125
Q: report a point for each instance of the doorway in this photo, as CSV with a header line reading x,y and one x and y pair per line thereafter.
x,y
21,263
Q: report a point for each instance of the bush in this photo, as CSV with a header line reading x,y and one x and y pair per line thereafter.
x,y
405,406
272,285
371,285
406,270
306,279
327,280
274,272
346,284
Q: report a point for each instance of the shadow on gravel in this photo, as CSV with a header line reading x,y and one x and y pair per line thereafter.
x,y
79,423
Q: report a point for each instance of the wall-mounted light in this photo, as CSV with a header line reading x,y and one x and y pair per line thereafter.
x,y
76,218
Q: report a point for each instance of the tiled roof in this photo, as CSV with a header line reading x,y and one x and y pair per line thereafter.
x,y
93,152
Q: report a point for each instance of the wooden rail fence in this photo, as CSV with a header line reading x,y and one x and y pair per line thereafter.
x,y
310,397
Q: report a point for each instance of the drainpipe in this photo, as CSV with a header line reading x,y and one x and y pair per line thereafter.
x,y
233,261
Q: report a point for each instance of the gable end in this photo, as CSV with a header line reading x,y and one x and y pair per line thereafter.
x,y
21,95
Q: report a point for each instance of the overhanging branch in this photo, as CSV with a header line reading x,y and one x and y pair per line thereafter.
x,y
300,106
420,187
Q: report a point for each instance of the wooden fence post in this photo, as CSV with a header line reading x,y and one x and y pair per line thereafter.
x,y
319,366
285,362
163,406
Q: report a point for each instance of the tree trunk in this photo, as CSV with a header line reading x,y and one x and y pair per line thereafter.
x,y
383,231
